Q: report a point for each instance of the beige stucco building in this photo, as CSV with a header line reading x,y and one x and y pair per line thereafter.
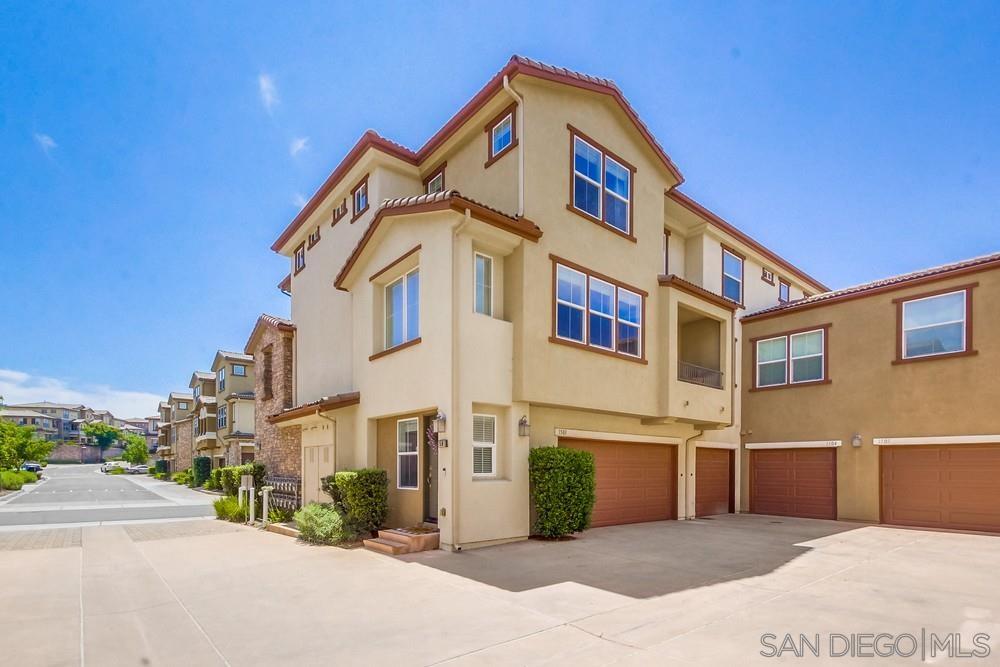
x,y
234,405
879,402
175,444
530,277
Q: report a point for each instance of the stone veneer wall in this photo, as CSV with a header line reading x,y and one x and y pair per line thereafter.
x,y
183,457
279,449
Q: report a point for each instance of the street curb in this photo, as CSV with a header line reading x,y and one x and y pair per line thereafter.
x,y
23,491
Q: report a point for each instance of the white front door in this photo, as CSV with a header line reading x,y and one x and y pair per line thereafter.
x,y
317,463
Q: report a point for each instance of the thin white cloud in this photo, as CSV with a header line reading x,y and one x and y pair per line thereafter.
x,y
268,91
298,145
45,142
19,387
299,200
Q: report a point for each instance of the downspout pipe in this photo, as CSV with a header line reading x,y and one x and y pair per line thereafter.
x,y
519,121
456,540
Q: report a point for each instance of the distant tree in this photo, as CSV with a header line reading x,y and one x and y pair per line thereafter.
x,y
136,451
104,434
19,444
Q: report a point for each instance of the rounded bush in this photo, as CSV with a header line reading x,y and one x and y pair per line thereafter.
x,y
28,477
562,489
228,508
320,524
362,495
201,469
10,480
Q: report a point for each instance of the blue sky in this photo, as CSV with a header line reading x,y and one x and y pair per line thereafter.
x,y
856,139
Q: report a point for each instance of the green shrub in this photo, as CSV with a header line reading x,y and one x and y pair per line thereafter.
x,y
362,496
562,489
320,524
28,477
280,515
115,471
214,481
202,469
182,477
10,480
228,508
231,477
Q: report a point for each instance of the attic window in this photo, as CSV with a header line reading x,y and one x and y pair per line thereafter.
x,y
501,134
299,260
360,197
435,181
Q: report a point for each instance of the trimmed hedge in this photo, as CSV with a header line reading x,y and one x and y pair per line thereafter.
x,y
562,489
230,476
202,468
320,524
162,467
362,496
214,481
10,480
27,476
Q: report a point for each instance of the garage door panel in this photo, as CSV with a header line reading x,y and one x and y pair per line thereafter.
x,y
713,481
949,486
794,482
635,482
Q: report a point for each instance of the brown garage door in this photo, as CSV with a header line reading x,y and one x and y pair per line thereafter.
x,y
794,482
952,486
636,481
713,481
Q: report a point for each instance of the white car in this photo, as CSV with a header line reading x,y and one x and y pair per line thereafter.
x,y
114,464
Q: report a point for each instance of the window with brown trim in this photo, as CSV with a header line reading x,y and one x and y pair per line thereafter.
x,y
339,212
268,372
784,291
666,252
501,134
596,312
314,237
299,258
791,358
435,180
601,184
732,275
767,275
934,324
359,196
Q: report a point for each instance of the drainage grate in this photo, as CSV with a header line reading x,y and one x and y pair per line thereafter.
x,y
52,538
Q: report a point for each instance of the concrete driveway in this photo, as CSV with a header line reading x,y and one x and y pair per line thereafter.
x,y
673,593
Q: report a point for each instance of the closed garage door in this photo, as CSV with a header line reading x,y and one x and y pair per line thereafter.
x,y
713,481
794,482
952,486
635,481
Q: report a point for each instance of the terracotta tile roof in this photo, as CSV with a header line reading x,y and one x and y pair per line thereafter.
x,y
181,397
894,282
313,407
673,280
515,66
236,355
438,201
266,320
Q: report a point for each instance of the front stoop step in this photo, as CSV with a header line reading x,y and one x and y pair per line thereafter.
x,y
401,541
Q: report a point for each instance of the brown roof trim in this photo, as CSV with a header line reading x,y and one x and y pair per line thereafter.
x,y
325,404
440,201
266,320
286,284
967,267
700,292
515,66
699,210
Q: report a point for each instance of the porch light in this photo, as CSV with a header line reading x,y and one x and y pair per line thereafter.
x,y
856,440
523,427
439,423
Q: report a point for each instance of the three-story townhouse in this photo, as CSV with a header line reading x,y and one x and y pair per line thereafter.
x,y
204,430
529,277
234,406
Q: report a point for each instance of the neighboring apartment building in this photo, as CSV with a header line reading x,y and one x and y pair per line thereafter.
x,y
43,424
879,402
529,277
271,345
176,441
147,427
204,427
234,399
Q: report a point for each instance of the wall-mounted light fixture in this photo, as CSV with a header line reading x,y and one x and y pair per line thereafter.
x,y
856,440
523,427
439,423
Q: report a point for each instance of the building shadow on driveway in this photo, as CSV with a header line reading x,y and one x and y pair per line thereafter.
x,y
643,560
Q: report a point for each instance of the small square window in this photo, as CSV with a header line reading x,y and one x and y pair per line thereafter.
x,y
503,135
239,370
784,291
360,198
435,182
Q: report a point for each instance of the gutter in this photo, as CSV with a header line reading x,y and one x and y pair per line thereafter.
x,y
520,144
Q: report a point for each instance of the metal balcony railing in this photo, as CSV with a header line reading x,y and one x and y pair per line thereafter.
x,y
708,377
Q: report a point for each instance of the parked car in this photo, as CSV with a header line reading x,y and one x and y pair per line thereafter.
x,y
141,469
32,466
109,465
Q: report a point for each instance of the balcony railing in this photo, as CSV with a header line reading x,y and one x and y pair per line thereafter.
x,y
708,377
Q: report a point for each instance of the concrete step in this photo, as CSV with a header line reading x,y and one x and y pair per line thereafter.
x,y
414,541
386,546
282,529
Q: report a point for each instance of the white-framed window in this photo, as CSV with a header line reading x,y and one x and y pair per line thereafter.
x,y
197,391
629,323
436,183
484,284
407,453
502,135
602,185
402,309
299,261
934,325
602,314
571,304
795,358
784,291
221,416
220,379
182,405
239,370
732,276
484,445
361,198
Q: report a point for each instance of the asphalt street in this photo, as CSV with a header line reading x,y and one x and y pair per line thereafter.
x,y
70,494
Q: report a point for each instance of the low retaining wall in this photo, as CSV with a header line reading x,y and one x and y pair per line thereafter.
x,y
81,454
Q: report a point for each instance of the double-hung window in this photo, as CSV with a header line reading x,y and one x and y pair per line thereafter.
x,y
602,185
597,312
221,416
220,379
407,455
484,284
359,195
484,444
197,391
502,135
299,260
732,276
784,291
402,309
934,325
794,358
